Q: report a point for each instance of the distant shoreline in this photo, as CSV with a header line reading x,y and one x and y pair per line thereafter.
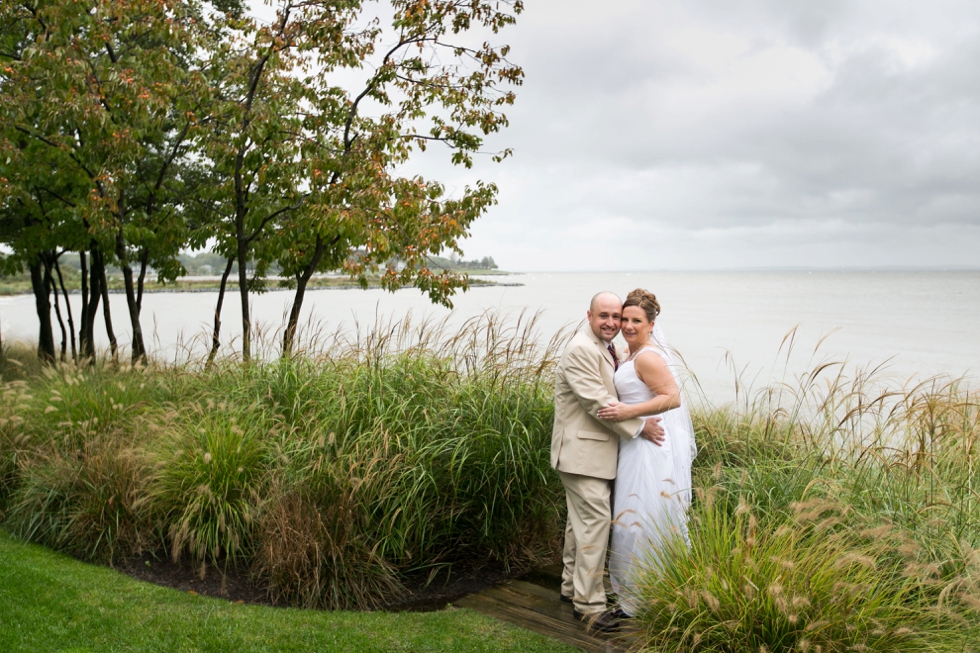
x,y
213,284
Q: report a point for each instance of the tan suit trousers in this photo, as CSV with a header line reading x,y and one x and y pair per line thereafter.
x,y
586,539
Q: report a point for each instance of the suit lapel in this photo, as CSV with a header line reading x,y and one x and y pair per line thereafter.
x,y
602,347
607,356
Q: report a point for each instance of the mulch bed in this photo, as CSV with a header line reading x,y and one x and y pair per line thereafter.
x,y
235,585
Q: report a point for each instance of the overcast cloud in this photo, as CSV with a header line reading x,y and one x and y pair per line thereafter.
x,y
680,134
707,134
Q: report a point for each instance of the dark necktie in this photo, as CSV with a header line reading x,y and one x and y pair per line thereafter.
x,y
612,352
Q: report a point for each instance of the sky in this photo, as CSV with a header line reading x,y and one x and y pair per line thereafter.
x,y
720,134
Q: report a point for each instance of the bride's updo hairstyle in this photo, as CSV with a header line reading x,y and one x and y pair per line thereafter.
x,y
646,300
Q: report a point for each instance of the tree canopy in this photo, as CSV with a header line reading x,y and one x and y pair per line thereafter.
x,y
133,130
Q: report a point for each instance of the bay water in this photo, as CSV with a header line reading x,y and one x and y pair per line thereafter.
x,y
726,325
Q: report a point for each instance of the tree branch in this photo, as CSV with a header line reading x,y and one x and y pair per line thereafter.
x,y
56,146
272,216
55,195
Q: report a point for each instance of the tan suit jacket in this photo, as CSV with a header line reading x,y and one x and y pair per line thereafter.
x,y
581,443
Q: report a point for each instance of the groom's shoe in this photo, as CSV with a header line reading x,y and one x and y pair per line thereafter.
x,y
564,598
598,622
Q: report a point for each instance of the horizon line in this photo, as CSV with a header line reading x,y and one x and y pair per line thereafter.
x,y
758,269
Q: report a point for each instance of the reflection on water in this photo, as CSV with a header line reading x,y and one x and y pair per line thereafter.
x,y
918,323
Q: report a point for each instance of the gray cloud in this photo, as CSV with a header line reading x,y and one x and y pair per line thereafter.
x,y
767,132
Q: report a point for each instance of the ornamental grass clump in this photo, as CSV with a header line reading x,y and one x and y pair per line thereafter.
x,y
445,434
71,404
73,472
313,549
208,483
804,582
19,361
318,537
841,515
902,454
14,401
88,502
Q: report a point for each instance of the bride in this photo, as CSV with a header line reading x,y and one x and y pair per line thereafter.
x,y
653,482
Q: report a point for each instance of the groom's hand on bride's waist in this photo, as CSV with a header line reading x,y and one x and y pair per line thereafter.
x,y
653,431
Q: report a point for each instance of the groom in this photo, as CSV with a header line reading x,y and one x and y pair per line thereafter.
x,y
584,450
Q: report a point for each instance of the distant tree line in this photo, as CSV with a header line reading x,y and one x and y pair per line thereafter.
x,y
133,131
200,263
485,263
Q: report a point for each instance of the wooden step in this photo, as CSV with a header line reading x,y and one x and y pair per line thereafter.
x,y
538,609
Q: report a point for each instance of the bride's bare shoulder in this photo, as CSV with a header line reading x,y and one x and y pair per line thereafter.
x,y
650,359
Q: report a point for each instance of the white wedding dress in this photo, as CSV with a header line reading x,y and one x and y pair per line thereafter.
x,y
653,485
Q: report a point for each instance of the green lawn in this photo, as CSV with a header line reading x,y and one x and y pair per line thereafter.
x,y
50,602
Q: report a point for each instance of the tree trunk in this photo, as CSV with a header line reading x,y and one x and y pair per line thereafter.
x,y
302,280
49,286
71,320
144,261
243,291
139,349
83,266
45,337
91,306
217,313
113,347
